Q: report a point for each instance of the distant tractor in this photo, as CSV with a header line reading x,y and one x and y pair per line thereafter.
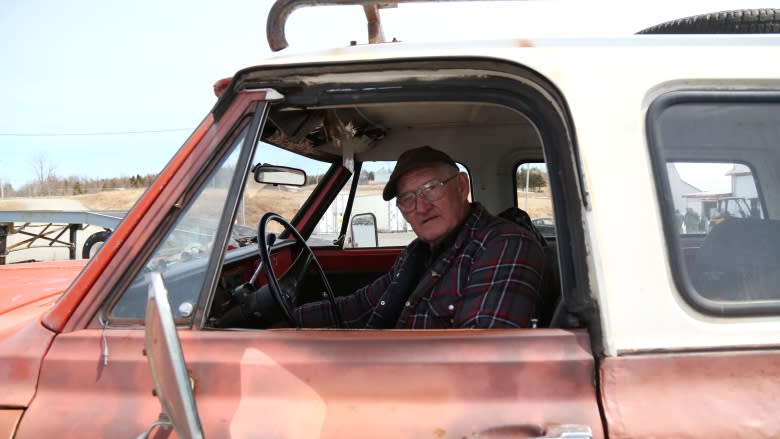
x,y
718,210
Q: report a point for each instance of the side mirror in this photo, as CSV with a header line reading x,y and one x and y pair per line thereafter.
x,y
272,174
362,231
169,372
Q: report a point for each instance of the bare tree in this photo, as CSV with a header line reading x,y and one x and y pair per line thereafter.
x,y
45,175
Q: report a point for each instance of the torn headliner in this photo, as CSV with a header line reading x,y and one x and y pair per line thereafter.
x,y
381,131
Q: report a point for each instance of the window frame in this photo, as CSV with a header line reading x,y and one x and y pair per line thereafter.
x,y
673,240
501,83
249,127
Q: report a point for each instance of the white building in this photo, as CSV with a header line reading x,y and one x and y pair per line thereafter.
x,y
681,191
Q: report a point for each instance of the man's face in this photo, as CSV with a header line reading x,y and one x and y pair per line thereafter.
x,y
433,220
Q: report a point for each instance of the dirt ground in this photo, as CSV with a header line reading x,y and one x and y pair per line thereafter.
x,y
260,199
113,200
539,204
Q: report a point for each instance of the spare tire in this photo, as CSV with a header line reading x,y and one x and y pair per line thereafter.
x,y
93,243
741,21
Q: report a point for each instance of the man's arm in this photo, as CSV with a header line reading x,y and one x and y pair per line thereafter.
x,y
503,284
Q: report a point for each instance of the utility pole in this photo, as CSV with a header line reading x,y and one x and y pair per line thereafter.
x,y
527,175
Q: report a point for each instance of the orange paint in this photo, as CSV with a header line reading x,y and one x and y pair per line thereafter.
x,y
24,343
701,394
25,284
221,85
8,421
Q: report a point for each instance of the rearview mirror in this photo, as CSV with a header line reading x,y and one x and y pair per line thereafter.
x,y
272,174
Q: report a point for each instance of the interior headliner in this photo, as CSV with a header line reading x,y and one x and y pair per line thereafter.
x,y
384,131
488,139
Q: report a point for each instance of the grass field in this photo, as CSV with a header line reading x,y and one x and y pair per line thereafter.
x,y
260,199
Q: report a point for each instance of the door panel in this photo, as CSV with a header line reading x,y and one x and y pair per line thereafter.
x,y
373,259
695,395
330,384
80,396
337,384
348,270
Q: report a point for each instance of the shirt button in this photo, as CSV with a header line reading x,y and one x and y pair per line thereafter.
x,y
408,303
382,303
451,307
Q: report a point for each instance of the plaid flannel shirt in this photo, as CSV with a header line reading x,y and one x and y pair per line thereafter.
x,y
488,278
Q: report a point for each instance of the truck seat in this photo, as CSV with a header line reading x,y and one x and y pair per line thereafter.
x,y
739,261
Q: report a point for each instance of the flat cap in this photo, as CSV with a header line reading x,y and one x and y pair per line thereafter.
x,y
412,159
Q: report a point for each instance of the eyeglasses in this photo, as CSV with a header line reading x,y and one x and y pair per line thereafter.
x,y
431,191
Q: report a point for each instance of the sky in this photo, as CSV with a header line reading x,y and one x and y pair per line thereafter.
x,y
103,88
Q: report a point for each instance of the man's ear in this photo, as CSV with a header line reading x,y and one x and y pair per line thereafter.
x,y
463,184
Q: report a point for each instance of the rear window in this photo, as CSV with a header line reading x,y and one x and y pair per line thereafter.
x,y
716,158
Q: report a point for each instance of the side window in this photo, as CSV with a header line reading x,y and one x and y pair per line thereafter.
x,y
533,196
183,254
716,159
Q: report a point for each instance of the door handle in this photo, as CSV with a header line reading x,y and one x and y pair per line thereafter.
x,y
567,431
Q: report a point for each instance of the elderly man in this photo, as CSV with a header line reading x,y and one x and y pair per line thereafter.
x,y
466,269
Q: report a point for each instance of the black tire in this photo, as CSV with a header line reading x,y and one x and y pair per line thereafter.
x,y
93,243
741,21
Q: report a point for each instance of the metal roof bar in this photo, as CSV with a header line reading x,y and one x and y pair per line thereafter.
x,y
281,10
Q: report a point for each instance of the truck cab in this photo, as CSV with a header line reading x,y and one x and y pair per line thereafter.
x,y
642,330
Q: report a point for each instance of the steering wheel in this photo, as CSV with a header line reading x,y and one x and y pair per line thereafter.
x,y
284,288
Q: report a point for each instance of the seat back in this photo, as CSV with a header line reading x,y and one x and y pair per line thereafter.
x,y
550,288
739,261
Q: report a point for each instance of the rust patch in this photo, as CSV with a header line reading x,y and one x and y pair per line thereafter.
x,y
24,345
221,85
735,395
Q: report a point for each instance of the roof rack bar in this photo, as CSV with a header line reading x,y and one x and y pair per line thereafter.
x,y
281,10
375,33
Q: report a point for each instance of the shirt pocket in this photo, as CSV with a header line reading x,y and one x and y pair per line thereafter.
x,y
441,311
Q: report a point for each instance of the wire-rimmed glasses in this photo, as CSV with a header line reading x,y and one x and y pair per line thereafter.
x,y
430,191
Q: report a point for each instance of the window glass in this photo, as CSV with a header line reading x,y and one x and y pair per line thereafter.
x,y
378,222
533,196
182,256
285,200
706,194
720,194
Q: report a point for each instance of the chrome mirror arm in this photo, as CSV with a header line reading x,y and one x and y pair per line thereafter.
x,y
163,422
